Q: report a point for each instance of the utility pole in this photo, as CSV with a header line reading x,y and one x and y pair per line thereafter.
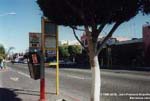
x,y
42,70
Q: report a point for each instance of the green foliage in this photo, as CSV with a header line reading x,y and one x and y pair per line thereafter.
x,y
63,51
74,50
94,15
71,51
145,6
2,51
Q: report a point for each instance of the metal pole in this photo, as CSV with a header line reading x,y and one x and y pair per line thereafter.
x,y
57,66
42,80
57,79
42,70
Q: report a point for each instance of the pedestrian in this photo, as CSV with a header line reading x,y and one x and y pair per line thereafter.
x,y
1,63
4,63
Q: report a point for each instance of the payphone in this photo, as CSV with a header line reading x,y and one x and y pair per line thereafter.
x,y
34,65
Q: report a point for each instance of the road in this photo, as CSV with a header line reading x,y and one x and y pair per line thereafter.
x,y
117,85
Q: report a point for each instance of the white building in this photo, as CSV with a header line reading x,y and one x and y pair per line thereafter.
x,y
68,42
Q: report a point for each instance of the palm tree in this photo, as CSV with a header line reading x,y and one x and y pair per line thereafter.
x,y
2,52
7,53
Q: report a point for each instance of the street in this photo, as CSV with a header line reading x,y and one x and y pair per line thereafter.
x,y
117,85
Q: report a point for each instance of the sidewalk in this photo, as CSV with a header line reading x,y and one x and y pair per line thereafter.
x,y
17,87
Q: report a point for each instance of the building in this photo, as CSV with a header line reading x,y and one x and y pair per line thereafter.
x,y
146,41
134,52
68,42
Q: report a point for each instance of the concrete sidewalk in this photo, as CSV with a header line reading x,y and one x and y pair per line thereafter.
x,y
17,87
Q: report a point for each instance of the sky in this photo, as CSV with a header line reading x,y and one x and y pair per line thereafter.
x,y
19,17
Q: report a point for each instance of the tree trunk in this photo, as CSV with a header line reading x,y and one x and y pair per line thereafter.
x,y
96,80
95,89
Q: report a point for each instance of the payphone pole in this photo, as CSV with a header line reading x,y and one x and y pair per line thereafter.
x,y
42,70
42,80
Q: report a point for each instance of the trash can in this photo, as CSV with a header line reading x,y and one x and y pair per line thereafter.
x,y
34,65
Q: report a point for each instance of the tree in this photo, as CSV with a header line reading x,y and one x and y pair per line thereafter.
x,y
2,51
145,6
73,51
63,52
94,15
8,51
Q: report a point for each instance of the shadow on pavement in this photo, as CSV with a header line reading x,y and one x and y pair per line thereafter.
x,y
75,66
130,68
8,95
11,94
114,67
29,92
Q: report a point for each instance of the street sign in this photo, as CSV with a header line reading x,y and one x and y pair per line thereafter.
x,y
34,40
50,50
50,42
50,29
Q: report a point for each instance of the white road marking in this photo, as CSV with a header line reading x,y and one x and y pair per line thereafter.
x,y
60,100
1,81
24,74
77,77
19,72
14,78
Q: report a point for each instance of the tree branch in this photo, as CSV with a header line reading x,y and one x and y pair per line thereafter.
x,y
101,28
79,39
103,24
95,33
94,36
74,27
108,36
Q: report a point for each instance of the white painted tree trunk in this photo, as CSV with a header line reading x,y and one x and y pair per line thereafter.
x,y
96,80
93,59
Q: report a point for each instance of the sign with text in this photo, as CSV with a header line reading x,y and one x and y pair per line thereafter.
x,y
51,52
34,40
50,42
50,29
50,47
50,33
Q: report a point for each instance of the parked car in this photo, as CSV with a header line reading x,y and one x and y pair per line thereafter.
x,y
18,60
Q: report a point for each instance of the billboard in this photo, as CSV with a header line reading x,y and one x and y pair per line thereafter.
x,y
34,40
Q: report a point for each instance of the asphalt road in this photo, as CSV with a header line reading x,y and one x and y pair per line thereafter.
x,y
117,85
